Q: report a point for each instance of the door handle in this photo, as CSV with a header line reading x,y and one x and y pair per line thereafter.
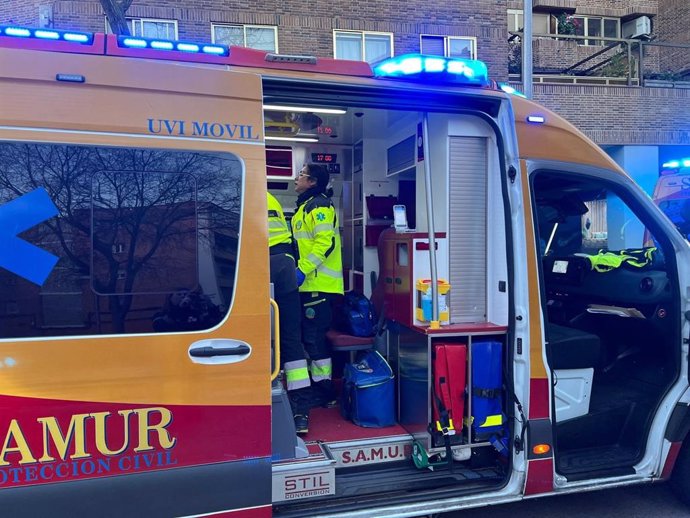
x,y
208,351
218,351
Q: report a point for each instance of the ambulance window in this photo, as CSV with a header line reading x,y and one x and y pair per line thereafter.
x,y
577,216
116,240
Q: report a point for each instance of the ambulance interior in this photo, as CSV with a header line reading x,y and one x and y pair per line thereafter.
x,y
611,330
377,159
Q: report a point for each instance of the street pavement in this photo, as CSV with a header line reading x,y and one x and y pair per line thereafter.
x,y
643,501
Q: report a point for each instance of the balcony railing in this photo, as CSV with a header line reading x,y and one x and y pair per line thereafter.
x,y
565,58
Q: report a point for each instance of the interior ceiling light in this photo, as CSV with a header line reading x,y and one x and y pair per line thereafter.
x,y
303,109
294,139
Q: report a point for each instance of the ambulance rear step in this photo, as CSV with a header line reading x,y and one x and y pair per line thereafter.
x,y
314,475
308,477
393,484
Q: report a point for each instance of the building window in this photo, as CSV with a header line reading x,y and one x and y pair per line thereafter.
x,y
449,46
153,28
542,23
362,46
596,27
515,20
253,36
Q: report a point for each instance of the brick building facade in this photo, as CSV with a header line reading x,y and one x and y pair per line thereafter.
x,y
611,110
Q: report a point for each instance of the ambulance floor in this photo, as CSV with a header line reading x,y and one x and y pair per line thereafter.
x,y
327,425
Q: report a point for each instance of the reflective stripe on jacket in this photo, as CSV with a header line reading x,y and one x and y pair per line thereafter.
x,y
315,229
278,230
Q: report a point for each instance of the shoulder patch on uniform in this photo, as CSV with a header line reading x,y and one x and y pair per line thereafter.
x,y
321,216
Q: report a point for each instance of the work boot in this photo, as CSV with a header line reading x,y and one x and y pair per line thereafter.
x,y
301,400
301,424
324,394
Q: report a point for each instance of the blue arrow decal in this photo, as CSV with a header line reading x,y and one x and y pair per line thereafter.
x,y
16,255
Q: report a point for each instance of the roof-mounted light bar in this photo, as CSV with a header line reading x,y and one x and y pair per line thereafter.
x,y
677,164
435,68
134,42
14,31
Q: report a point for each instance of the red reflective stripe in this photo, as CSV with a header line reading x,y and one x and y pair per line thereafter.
x,y
539,398
671,460
254,512
539,477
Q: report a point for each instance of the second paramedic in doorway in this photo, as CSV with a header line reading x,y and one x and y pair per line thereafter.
x,y
319,273
292,355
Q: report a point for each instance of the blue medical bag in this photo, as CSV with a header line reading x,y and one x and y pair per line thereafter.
x,y
487,389
368,397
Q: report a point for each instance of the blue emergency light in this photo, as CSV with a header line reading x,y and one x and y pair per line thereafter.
x,y
675,164
434,68
134,42
510,90
13,31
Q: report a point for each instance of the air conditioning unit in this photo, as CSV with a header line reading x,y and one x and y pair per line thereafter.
x,y
637,28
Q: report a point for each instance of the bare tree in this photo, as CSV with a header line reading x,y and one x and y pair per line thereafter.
x,y
115,13
132,221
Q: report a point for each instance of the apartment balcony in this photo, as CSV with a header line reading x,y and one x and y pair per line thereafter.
x,y
554,5
618,91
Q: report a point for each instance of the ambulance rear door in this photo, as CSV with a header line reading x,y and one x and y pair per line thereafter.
x,y
134,304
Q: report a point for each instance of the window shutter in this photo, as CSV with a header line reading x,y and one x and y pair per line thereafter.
x,y
433,45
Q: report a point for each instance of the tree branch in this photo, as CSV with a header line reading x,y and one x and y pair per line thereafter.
x,y
115,13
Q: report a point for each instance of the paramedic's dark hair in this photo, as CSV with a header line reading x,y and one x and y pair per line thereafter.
x,y
320,174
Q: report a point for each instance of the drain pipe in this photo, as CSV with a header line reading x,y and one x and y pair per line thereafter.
x,y
434,324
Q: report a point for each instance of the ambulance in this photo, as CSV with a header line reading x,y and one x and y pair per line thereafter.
x,y
531,341
672,193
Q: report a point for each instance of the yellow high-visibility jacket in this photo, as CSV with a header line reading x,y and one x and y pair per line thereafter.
x,y
315,229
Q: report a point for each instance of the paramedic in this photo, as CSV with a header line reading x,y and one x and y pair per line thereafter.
x,y
292,356
319,273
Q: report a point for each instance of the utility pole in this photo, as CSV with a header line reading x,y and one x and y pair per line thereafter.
x,y
527,48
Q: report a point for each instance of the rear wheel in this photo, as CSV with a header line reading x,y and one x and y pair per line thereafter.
x,y
680,479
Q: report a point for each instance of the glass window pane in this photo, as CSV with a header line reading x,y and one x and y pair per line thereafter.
x,y
594,29
261,38
520,22
229,35
134,27
348,45
611,28
460,48
433,45
579,23
145,240
162,30
377,47
540,23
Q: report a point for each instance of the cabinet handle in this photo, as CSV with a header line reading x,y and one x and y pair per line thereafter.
x,y
389,280
398,280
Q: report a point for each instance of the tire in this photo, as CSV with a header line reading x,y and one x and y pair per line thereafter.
x,y
680,478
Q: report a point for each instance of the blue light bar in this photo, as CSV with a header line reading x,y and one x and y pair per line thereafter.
x,y
46,34
536,119
170,45
675,164
510,90
434,68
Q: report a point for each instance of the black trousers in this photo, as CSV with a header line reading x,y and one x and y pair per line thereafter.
x,y
316,320
287,297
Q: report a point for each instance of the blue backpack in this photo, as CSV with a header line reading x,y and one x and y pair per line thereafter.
x,y
358,315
